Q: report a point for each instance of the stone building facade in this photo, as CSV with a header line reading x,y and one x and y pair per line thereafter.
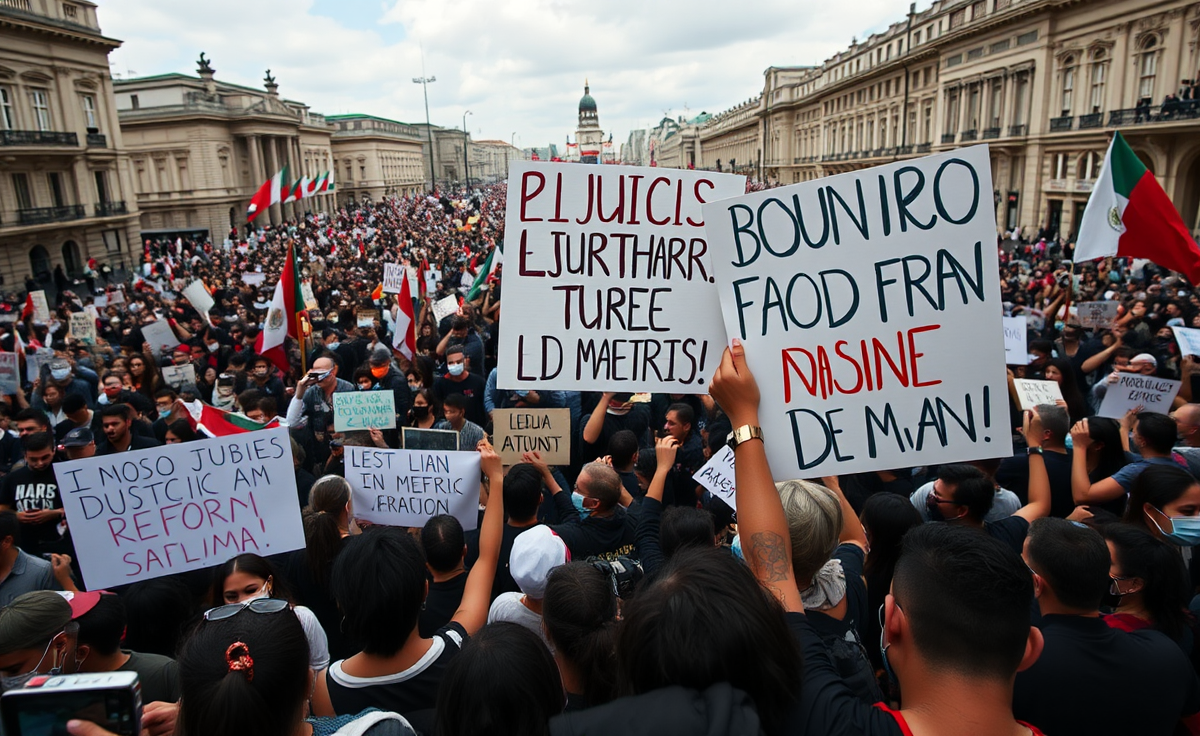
x,y
376,157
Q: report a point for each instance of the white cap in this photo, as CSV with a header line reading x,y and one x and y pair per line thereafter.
x,y
535,552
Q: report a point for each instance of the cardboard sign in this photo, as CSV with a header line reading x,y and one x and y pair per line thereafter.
x,y
1188,339
41,310
869,307
254,279
415,438
614,279
178,376
393,278
1033,393
100,301
717,476
117,295
306,290
1016,351
10,374
444,307
408,487
367,317
83,327
1133,390
364,410
160,336
198,296
148,513
1097,314
517,431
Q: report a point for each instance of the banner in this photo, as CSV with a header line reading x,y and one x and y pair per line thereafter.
x,y
356,410
408,487
41,309
10,374
1016,351
178,376
869,306
148,513
717,476
254,279
1188,339
517,431
615,276
83,327
1031,393
432,277
1132,390
393,277
160,337
198,296
1097,314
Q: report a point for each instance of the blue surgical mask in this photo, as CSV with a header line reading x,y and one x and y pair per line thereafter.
x,y
577,501
456,369
333,345
164,413
60,374
1185,530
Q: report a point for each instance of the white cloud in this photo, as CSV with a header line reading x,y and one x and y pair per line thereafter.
x,y
519,65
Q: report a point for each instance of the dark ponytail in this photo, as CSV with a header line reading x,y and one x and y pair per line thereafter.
x,y
579,612
322,535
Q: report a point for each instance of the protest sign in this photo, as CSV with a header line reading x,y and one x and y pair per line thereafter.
x,y
614,276
160,336
310,299
415,438
393,278
41,310
869,306
83,327
178,376
1032,393
34,360
10,374
444,307
1016,351
408,487
1132,390
254,279
198,296
148,513
717,476
100,301
1188,339
364,410
432,277
117,295
517,431
1097,314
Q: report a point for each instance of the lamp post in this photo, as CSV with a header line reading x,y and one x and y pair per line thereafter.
x,y
466,137
425,82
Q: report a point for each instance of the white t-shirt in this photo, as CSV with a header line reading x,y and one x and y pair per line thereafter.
x,y
318,643
508,607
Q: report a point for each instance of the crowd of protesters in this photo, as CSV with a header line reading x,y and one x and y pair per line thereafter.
x,y
1048,592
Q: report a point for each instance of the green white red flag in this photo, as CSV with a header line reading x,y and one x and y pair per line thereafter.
x,y
284,314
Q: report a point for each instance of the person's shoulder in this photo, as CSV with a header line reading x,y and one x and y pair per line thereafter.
x,y
149,662
453,634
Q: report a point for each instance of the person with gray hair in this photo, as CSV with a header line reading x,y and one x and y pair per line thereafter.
x,y
604,528
33,637
1051,427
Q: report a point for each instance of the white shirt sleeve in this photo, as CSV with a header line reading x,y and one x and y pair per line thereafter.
x,y
318,643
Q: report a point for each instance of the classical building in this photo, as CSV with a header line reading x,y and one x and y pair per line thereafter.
x,y
376,157
490,160
66,194
589,138
1043,82
635,151
200,149
449,152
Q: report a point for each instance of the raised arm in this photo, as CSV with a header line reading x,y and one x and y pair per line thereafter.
x,y
1039,480
648,526
595,422
1082,489
477,594
852,528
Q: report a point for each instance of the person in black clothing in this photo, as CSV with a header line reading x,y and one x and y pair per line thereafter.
x,y
613,413
1085,662
77,414
681,487
1013,474
608,530
445,549
459,380
263,378
623,450
10,443
32,491
304,479
522,497
117,425
579,613
388,378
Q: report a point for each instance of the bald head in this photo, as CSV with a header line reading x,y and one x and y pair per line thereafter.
x,y
1187,420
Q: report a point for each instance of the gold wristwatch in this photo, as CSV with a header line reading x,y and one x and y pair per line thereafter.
x,y
743,433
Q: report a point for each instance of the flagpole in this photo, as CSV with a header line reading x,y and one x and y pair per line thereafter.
x,y
301,316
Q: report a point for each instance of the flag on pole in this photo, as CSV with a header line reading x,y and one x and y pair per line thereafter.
x,y
260,201
404,340
283,316
326,183
495,258
1129,215
220,423
27,312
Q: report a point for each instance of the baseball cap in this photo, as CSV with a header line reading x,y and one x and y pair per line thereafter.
x,y
1145,358
535,552
58,364
78,437
32,619
81,602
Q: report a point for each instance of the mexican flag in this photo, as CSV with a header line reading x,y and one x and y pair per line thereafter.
x,y
326,183
1129,215
283,316
495,258
220,423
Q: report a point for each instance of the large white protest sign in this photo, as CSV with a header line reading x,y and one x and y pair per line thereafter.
x,y
1032,393
198,296
408,487
432,277
178,376
41,309
10,374
1188,339
717,476
83,327
444,307
310,299
159,336
364,410
869,307
545,431
1097,314
1015,334
254,279
609,279
1132,390
147,513
393,278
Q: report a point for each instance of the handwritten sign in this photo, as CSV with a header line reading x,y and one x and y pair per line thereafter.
x,y
198,296
310,299
83,327
517,431
364,410
1188,339
41,309
717,476
432,277
160,336
148,513
178,376
444,307
10,374
393,278
1132,390
415,438
1016,351
116,296
1032,393
1097,314
254,279
408,487
870,310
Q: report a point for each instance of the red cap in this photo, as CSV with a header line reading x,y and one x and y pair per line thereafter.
x,y
83,602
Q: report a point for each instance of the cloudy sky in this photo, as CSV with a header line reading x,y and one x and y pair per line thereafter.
x,y
518,65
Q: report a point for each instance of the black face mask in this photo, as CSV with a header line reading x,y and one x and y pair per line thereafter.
x,y
1110,601
420,412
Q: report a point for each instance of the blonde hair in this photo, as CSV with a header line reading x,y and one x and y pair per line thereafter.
x,y
814,517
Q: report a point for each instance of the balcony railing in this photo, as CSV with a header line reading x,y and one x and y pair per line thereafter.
x,y
904,150
924,147
1017,131
1060,124
97,140
109,209
947,137
42,215
990,133
37,138
1180,110
969,135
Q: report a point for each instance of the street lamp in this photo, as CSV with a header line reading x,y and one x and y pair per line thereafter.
x,y
466,137
425,82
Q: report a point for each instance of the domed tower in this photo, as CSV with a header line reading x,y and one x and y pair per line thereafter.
x,y
588,135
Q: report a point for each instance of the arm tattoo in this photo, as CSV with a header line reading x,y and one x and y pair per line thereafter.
x,y
768,557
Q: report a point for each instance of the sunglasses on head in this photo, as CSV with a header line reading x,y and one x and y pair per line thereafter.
x,y
258,605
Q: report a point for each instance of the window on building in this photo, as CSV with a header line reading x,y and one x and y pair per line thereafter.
x,y
39,99
1099,69
979,9
133,102
8,116
994,104
1068,85
1060,166
917,36
958,17
1147,66
21,187
1021,100
1088,167
952,112
57,195
89,111
973,109
1027,38
101,186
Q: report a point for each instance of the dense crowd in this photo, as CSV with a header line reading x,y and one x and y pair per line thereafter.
x,y
1048,592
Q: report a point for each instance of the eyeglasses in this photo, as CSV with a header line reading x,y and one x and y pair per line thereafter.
x,y
938,499
258,605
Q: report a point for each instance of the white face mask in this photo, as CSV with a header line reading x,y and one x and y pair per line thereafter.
x,y
456,369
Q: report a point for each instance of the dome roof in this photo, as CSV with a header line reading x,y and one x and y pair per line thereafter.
x,y
587,102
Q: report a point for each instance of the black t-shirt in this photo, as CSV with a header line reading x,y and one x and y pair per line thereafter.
x,y
472,387
606,537
440,605
1013,475
1010,531
852,559
637,420
25,489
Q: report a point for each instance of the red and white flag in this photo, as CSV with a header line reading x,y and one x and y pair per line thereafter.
x,y
404,339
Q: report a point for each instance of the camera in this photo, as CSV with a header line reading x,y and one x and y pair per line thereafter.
x,y
623,574
112,700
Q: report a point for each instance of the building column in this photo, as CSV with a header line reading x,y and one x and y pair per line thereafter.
x,y
257,175
273,166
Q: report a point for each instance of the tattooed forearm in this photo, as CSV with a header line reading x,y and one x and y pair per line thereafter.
x,y
768,557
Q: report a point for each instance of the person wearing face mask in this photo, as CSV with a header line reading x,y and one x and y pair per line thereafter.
x,y
424,412
1165,501
313,400
388,378
263,378
223,396
459,379
113,391
33,638
60,373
